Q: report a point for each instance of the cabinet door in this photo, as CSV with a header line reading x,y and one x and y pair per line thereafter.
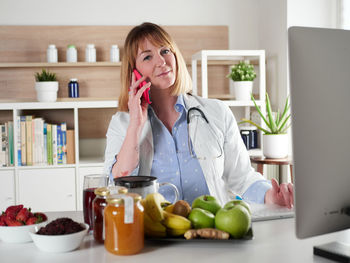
x,y
47,189
7,189
82,172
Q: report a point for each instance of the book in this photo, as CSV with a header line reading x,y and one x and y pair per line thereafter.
x,y
2,146
23,141
64,142
10,143
19,149
29,139
70,147
45,145
59,145
54,144
39,140
49,144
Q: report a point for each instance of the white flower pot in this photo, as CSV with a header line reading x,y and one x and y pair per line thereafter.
x,y
275,145
46,91
243,89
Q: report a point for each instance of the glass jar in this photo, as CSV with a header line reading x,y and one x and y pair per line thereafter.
x,y
90,53
98,205
72,55
124,224
114,53
52,54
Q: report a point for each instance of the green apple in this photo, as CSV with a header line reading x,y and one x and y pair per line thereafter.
x,y
206,202
238,202
235,220
201,218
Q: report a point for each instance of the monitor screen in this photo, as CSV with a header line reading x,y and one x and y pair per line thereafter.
x,y
319,64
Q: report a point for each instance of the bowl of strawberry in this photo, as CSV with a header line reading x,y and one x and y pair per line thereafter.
x,y
17,221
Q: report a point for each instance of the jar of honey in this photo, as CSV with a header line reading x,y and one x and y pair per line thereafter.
x,y
98,206
124,224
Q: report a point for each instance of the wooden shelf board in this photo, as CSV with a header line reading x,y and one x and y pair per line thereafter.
x,y
59,64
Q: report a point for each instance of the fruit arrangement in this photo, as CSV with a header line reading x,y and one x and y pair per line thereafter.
x,y
18,215
205,219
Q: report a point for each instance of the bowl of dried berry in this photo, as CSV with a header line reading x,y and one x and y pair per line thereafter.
x,y
17,221
60,235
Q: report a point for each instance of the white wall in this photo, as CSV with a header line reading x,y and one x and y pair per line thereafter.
x,y
240,16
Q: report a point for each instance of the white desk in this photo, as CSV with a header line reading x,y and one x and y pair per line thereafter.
x,y
274,241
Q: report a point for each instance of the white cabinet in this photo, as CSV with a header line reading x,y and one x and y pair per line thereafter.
x,y
47,189
229,57
7,188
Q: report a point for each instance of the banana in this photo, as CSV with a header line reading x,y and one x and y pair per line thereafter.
x,y
153,206
176,232
153,229
169,208
176,222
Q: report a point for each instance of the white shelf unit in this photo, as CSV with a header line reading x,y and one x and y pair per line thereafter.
x,y
62,186
224,57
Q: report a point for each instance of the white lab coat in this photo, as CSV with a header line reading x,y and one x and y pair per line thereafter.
x,y
228,174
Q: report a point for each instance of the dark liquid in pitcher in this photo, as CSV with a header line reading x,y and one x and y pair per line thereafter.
x,y
88,197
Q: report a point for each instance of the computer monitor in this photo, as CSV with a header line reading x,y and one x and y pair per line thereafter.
x,y
319,61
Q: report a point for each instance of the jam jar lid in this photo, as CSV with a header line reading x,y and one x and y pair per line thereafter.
x,y
118,198
102,191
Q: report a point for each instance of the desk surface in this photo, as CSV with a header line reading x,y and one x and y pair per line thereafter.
x,y
274,241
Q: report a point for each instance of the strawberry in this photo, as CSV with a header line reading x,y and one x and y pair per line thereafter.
x,y
23,215
11,222
2,220
41,217
12,211
31,221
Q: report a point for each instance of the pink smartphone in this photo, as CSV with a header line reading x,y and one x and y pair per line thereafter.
x,y
146,93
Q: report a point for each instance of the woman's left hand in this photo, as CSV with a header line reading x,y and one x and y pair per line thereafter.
x,y
280,194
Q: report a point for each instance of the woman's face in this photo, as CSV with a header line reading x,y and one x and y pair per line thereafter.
x,y
156,63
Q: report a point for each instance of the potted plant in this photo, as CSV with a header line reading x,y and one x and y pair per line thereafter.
x,y
46,86
242,75
275,139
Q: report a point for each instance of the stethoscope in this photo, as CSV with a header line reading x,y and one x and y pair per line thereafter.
x,y
210,129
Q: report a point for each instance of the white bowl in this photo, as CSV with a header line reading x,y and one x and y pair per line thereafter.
x,y
18,234
59,243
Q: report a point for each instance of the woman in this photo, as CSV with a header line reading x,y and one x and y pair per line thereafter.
x,y
199,150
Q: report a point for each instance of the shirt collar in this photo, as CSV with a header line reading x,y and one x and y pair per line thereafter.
x,y
180,104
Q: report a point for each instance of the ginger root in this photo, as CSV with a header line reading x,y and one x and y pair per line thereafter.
x,y
208,233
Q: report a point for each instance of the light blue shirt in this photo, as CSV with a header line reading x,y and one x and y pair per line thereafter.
x,y
172,162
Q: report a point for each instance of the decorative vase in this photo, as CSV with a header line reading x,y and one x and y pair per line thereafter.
x,y
46,91
275,145
243,89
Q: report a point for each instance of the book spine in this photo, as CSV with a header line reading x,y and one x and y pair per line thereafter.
x,y
23,141
6,144
64,142
40,140
54,144
49,144
11,146
45,145
2,146
19,149
29,140
59,145
70,147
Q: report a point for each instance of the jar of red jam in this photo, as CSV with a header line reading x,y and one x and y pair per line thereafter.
x,y
124,224
98,206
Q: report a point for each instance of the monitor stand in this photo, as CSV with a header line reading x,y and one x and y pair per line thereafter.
x,y
336,251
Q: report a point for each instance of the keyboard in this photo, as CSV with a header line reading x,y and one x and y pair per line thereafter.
x,y
262,212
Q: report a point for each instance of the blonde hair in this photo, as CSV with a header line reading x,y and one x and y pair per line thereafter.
x,y
158,37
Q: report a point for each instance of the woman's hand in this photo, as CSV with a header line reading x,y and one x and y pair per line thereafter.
x,y
137,106
280,194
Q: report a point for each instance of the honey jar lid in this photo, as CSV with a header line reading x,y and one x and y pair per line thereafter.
x,y
103,191
118,198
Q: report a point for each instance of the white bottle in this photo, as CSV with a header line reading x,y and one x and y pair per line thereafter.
x,y
52,54
114,54
90,53
72,55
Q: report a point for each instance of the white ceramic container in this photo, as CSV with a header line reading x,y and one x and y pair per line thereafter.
x,y
46,91
18,234
275,145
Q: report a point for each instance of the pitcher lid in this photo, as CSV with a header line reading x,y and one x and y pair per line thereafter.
x,y
134,181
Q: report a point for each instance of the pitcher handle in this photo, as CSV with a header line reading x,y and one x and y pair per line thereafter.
x,y
174,188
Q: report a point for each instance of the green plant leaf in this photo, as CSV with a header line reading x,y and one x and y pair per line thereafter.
x,y
259,111
269,114
256,125
278,117
283,123
285,129
286,109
